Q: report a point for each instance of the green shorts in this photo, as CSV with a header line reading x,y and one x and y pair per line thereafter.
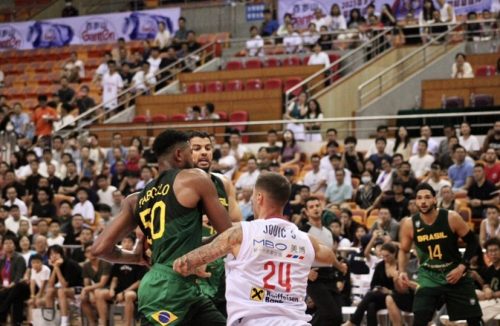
x,y
460,298
167,298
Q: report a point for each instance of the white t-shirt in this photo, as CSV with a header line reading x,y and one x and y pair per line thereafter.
x,y
154,64
40,277
102,69
470,144
79,64
253,46
421,165
323,21
247,180
19,203
106,196
230,162
111,85
292,43
432,146
312,180
438,185
139,80
444,13
13,225
59,240
309,38
319,59
162,39
268,278
337,23
86,210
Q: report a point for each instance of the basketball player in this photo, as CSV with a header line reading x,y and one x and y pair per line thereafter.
x,y
167,211
267,273
442,270
202,151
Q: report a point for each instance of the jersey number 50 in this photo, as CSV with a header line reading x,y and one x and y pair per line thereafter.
x,y
148,218
284,270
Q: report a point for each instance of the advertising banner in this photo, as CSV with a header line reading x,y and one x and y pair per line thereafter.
x,y
94,29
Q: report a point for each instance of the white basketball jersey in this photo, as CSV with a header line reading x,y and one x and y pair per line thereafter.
x,y
268,278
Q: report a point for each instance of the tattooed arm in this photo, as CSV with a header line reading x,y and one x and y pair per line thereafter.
x,y
227,242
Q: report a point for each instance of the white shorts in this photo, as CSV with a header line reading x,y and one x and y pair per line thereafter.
x,y
269,321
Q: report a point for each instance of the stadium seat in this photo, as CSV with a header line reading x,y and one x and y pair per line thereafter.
x,y
222,115
234,65
371,220
291,82
234,85
361,213
140,119
483,100
195,88
273,62
159,118
454,102
273,83
292,61
253,64
178,117
240,116
253,84
485,71
214,87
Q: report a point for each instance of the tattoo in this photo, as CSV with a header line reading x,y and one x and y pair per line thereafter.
x,y
220,247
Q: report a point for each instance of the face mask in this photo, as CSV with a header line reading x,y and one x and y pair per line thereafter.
x,y
366,179
9,127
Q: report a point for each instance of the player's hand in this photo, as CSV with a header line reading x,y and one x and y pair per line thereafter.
x,y
313,274
455,274
202,272
343,268
181,266
139,250
403,281
488,294
475,202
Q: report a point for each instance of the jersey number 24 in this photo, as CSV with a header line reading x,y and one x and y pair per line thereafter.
x,y
284,270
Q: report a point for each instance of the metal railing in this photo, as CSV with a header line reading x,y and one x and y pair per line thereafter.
x,y
347,64
163,76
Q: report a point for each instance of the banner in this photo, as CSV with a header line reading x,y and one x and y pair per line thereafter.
x,y
303,10
93,29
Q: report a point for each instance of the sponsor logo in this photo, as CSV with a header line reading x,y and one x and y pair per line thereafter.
x,y
262,295
420,230
164,317
98,30
270,244
472,301
431,237
257,294
10,38
295,257
223,202
417,224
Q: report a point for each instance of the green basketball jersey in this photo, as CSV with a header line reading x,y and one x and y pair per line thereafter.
x,y
172,230
436,244
221,190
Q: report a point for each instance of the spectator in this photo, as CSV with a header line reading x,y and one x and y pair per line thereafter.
x,y
473,30
125,280
487,26
492,167
336,228
355,19
255,45
376,158
74,230
446,160
434,179
421,162
352,159
55,237
96,274
298,200
43,206
290,150
168,60
24,244
103,68
337,20
70,182
386,226
84,207
313,129
447,12
282,30
447,199
39,277
368,192
116,143
297,110
397,203
14,291
316,178
319,57
66,119
2,78
469,141
181,34
227,163
336,164
105,192
438,26
42,229
272,147
208,112
74,69
116,203
460,173
269,25
192,44
321,286
319,19
20,121
47,160
238,150
425,19
154,60
325,162
491,288
162,38
66,94
245,203
387,17
490,226
326,39
292,41
127,75
331,134
12,199
247,179
384,180
461,68
311,36
432,144
146,178
339,192
492,139
403,143
480,192
382,132
112,84
43,118
68,274
144,80
69,10
449,131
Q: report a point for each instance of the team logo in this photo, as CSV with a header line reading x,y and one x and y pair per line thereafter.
x,y
417,224
223,201
257,294
164,317
10,38
472,301
98,30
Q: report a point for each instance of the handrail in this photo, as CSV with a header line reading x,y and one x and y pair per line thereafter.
x,y
338,62
159,79
404,61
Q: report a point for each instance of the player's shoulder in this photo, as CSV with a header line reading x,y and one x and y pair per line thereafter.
x,y
193,173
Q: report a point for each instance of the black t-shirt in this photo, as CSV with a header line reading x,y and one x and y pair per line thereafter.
x,y
193,46
70,182
412,35
32,183
66,95
55,183
409,185
72,272
398,209
20,189
47,210
380,278
352,165
349,232
127,275
85,103
491,277
481,193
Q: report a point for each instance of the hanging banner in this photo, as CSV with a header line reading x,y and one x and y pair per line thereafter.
x,y
303,10
95,29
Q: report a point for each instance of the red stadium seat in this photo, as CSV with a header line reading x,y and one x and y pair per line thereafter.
x,y
234,85
159,118
253,64
292,61
273,62
178,117
292,81
253,84
214,87
485,71
140,119
195,88
482,100
222,115
234,65
273,83
240,116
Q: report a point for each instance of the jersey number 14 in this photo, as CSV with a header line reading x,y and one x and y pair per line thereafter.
x,y
284,271
435,252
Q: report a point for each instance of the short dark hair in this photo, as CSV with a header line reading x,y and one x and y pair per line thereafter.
x,y
350,140
423,141
312,198
332,143
425,186
199,134
347,211
492,242
169,140
276,186
36,257
10,237
332,129
56,248
390,247
479,165
272,131
381,139
492,207
382,127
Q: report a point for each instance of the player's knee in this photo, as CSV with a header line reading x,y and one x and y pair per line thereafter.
x,y
130,296
389,301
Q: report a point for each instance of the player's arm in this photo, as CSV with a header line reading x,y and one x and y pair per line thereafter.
x,y
233,207
325,255
105,245
405,242
227,242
